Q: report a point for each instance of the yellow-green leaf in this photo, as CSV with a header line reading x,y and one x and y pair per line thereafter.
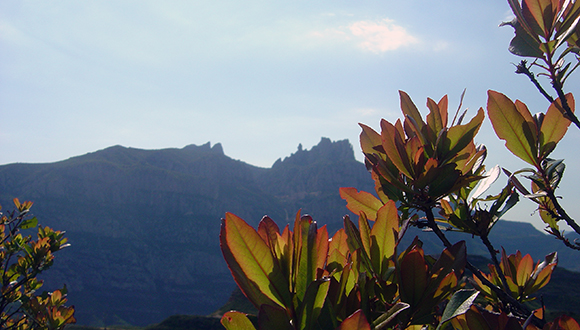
x,y
363,201
383,237
236,321
554,126
510,125
252,264
369,139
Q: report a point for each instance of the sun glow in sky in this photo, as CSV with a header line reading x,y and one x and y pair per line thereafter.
x,y
260,77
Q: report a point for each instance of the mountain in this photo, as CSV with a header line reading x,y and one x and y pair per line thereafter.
x,y
144,224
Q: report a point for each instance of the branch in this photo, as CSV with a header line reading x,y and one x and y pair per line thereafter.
x,y
522,68
508,300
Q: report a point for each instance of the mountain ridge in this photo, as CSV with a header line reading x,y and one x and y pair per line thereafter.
x,y
144,224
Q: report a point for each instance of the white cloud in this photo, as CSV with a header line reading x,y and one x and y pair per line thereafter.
x,y
382,36
374,36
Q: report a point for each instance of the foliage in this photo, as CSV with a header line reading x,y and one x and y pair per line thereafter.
x,y
22,260
428,173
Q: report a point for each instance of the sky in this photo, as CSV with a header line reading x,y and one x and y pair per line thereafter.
x,y
259,77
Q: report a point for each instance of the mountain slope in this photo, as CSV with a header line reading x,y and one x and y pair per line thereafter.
x,y
144,224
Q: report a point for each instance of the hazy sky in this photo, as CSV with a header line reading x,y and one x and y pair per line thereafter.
x,y
258,76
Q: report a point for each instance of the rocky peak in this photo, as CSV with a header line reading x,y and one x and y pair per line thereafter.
x,y
325,151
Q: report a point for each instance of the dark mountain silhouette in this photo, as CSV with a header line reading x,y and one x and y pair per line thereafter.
x,y
144,224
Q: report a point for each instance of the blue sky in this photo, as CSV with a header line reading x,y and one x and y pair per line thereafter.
x,y
260,77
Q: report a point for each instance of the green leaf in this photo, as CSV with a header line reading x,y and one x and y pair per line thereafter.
x,y
311,306
510,125
362,201
459,303
236,321
252,264
26,224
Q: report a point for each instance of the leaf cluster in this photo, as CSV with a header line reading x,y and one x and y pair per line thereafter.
x,y
22,259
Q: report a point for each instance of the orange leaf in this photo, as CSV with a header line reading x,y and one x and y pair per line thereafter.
x,y
357,321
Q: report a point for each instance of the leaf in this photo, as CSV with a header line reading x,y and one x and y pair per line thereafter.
x,y
554,126
369,139
337,250
26,224
356,321
252,264
413,276
383,320
312,304
460,136
511,126
567,323
525,268
361,202
394,145
485,183
409,109
236,321
384,237
459,303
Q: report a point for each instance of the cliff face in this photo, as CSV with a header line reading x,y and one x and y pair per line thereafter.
x,y
144,224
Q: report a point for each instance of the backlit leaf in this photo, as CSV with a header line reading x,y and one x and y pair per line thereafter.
x,y
510,125
554,126
252,264
525,268
361,202
409,109
369,138
383,237
394,145
236,321
357,321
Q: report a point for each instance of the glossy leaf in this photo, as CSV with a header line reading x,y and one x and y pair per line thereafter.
x,y
459,303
